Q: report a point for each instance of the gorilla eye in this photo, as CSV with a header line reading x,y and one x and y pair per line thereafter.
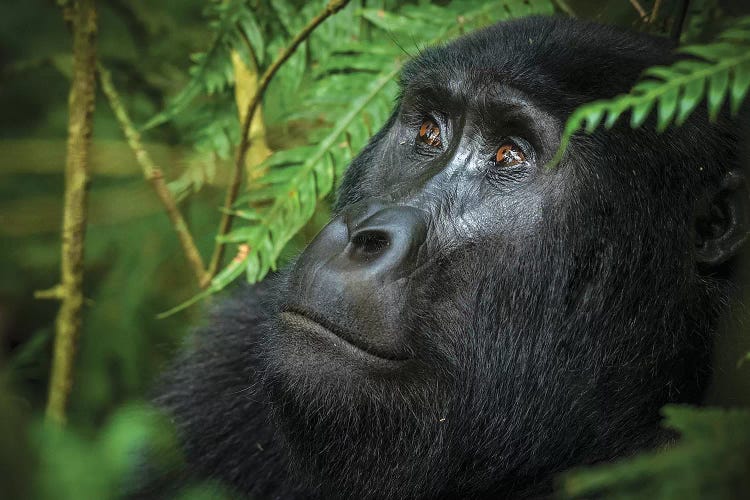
x,y
429,133
510,154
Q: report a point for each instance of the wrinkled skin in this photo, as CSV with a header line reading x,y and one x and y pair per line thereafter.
x,y
466,327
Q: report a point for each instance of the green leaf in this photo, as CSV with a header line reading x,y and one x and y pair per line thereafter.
x,y
261,194
593,119
740,84
324,175
712,52
676,90
212,70
687,470
220,281
243,234
616,109
287,15
691,96
717,92
640,112
254,35
660,73
667,108
72,466
390,21
249,215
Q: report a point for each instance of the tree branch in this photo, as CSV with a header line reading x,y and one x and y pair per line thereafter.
x,y
641,11
654,12
227,217
154,175
83,18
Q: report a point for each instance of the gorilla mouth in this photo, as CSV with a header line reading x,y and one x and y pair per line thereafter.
x,y
312,322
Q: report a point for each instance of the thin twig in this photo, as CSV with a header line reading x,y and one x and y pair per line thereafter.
x,y
83,18
227,217
54,293
563,5
153,174
654,12
641,11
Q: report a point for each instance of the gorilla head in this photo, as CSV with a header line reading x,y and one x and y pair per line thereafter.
x,y
471,322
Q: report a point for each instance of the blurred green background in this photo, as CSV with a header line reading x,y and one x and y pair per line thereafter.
x,y
134,266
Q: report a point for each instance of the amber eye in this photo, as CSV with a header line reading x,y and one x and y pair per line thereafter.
x,y
510,155
429,133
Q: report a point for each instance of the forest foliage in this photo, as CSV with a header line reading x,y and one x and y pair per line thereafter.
x,y
181,73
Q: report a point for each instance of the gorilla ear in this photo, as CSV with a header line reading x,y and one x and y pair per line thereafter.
x,y
723,222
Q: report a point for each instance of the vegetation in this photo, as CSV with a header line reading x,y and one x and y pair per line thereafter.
x,y
688,470
718,70
254,106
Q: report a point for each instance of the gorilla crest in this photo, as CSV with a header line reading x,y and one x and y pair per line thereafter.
x,y
471,323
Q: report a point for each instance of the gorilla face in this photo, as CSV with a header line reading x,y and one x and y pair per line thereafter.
x,y
471,322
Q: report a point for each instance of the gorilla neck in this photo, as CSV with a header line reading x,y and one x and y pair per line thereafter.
x,y
404,435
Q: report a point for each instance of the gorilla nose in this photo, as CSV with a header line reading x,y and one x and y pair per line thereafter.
x,y
385,239
349,277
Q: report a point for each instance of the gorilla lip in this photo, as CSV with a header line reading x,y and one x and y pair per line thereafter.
x,y
312,322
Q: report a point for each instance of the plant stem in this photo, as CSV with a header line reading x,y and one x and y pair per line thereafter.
x,y
227,217
83,18
154,175
245,87
641,11
563,6
654,12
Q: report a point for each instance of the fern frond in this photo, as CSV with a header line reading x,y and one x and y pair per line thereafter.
x,y
214,130
720,70
212,71
293,191
709,436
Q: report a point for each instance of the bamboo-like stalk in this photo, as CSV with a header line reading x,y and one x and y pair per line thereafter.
x,y
83,18
154,175
225,225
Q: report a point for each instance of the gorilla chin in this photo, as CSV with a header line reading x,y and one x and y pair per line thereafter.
x,y
371,412
471,323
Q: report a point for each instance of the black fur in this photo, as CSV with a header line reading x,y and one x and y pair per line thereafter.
x,y
544,331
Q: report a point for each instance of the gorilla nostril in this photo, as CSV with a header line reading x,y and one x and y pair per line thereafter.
x,y
369,244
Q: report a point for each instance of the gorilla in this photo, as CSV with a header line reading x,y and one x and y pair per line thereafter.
x,y
472,322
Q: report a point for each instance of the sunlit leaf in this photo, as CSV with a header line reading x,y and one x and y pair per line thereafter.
x,y
691,96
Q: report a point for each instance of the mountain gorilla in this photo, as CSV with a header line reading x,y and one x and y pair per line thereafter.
x,y
471,323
